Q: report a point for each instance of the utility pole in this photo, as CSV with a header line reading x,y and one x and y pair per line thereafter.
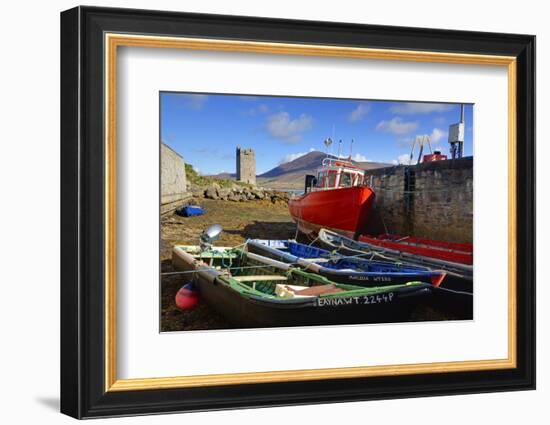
x,y
456,136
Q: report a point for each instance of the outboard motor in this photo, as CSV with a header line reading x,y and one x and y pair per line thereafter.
x,y
209,236
311,181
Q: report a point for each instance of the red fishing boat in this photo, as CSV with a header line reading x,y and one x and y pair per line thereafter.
x,y
337,199
462,253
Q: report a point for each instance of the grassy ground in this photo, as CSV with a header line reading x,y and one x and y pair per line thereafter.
x,y
195,178
240,221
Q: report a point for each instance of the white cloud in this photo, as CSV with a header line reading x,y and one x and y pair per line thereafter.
x,y
282,127
437,135
360,158
405,142
440,120
195,101
397,126
292,156
411,108
404,159
260,109
359,112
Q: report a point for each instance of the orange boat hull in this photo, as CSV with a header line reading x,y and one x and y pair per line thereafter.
x,y
344,210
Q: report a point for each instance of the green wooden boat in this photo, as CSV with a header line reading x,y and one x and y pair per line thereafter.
x,y
250,290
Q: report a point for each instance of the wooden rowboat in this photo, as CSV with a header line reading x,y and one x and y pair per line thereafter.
x,y
250,290
359,269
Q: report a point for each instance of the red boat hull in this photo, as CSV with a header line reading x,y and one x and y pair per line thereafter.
x,y
344,210
447,251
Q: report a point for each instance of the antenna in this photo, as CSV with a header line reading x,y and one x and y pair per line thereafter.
x,y
350,149
339,147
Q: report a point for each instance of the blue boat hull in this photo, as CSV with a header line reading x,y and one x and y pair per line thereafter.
x,y
341,269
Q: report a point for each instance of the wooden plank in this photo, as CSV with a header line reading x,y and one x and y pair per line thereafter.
x,y
257,278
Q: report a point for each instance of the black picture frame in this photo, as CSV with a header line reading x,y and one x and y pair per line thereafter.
x,y
83,392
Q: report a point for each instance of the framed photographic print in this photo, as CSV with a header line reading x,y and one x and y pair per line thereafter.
x,y
261,212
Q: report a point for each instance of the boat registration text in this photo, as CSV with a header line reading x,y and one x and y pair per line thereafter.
x,y
357,300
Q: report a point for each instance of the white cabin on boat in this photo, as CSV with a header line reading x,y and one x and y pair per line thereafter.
x,y
338,173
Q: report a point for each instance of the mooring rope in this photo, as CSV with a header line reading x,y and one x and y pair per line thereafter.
x,y
229,268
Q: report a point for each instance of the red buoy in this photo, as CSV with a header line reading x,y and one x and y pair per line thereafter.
x,y
187,297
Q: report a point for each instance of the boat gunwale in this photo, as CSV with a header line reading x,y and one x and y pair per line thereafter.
x,y
330,238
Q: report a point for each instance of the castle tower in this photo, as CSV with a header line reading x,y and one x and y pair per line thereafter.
x,y
246,165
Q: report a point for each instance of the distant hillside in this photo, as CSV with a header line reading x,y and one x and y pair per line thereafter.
x,y
290,175
224,180
226,176
306,162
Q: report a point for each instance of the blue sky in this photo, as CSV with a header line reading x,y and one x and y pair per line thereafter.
x,y
206,128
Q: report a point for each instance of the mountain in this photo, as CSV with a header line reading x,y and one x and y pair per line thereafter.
x,y
226,176
290,175
303,163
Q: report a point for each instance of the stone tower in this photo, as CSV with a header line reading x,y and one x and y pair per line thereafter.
x,y
246,165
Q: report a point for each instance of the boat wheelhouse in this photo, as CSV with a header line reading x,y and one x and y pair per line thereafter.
x,y
338,173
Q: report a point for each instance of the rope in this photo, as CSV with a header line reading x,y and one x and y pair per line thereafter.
x,y
372,254
230,268
313,241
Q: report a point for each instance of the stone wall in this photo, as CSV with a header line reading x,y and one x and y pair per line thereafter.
x,y
246,165
173,184
432,200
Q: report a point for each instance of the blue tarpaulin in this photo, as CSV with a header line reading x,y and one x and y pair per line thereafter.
x,y
190,210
